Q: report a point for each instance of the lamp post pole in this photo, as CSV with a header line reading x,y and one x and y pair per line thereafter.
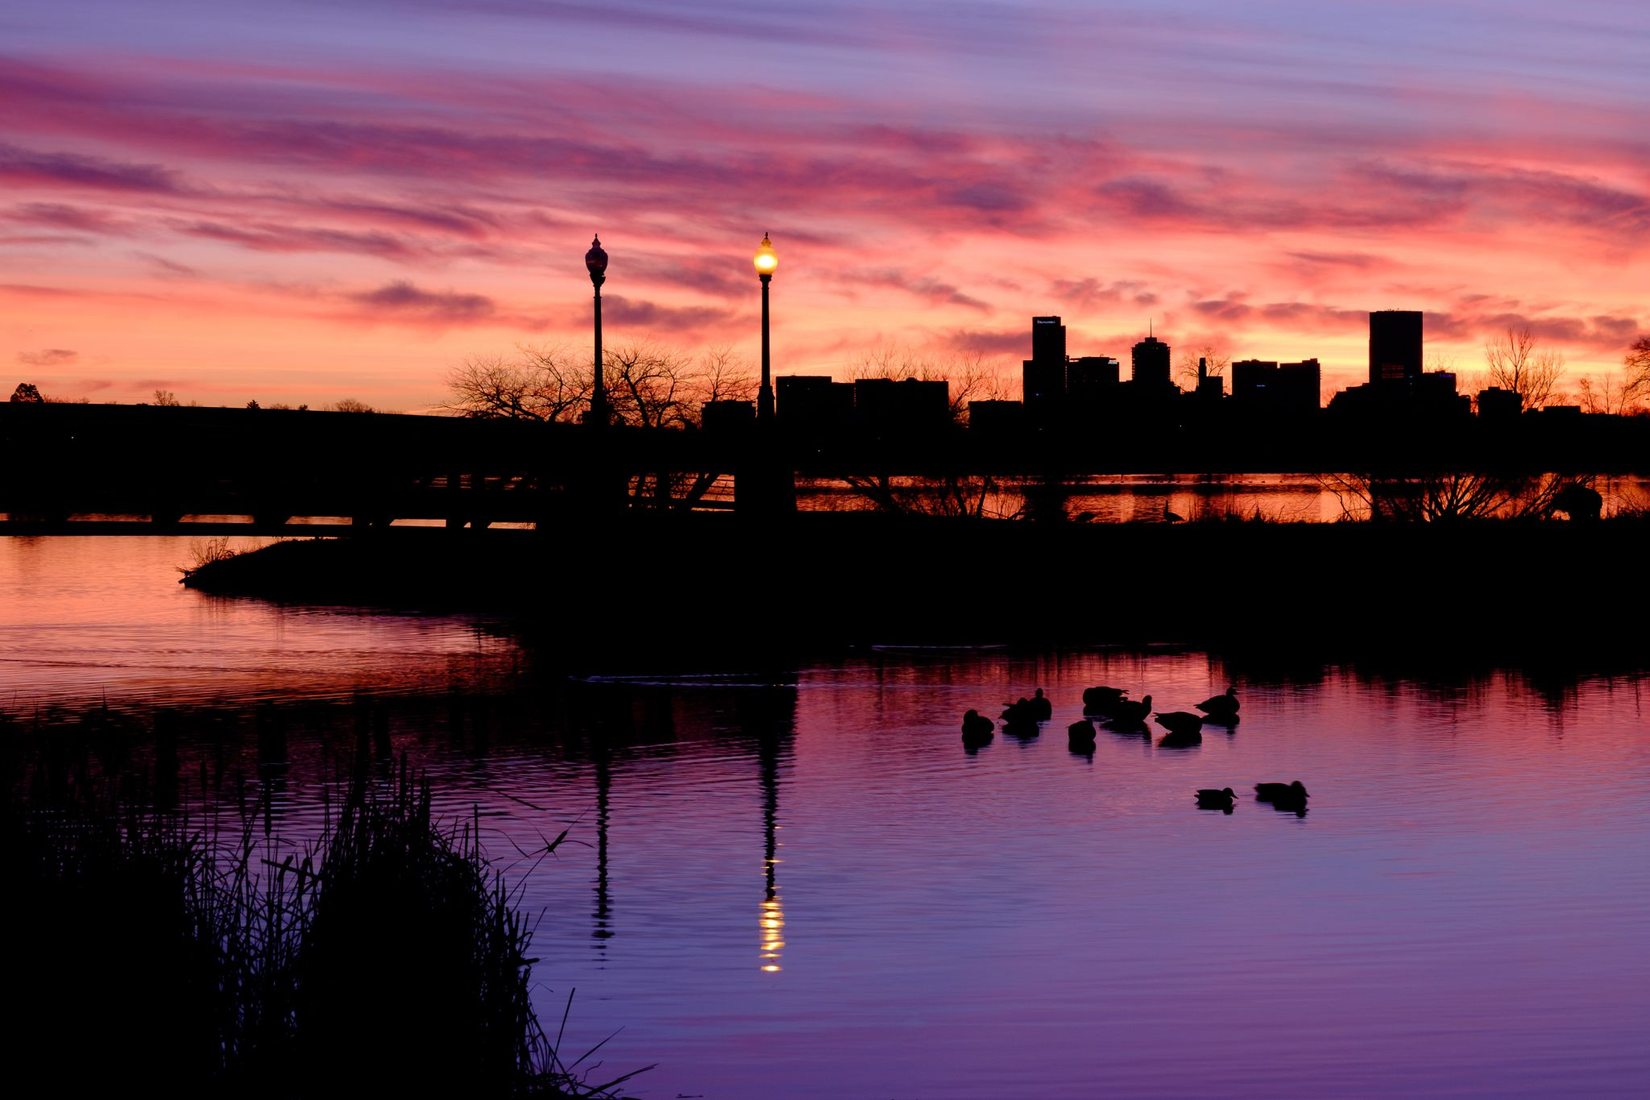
x,y
595,261
766,262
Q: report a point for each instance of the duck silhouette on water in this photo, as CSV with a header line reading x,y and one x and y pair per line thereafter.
x,y
1284,797
1036,709
1129,712
1020,717
1210,799
1185,729
1102,700
976,729
1222,708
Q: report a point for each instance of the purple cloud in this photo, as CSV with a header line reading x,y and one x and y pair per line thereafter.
x,y
29,168
403,300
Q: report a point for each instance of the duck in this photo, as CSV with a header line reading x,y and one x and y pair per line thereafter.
x,y
1274,792
975,724
1102,699
1284,797
1221,708
1181,722
1210,799
1081,730
1039,706
1127,710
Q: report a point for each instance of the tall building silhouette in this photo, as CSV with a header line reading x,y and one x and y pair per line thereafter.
x,y
1044,377
1151,364
1395,346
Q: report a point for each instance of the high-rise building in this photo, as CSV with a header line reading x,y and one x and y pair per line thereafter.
x,y
1151,364
1048,340
1045,372
1395,346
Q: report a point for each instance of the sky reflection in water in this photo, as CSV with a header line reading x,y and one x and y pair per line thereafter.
x,y
809,888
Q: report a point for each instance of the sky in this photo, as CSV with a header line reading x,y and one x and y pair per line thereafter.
x,y
301,201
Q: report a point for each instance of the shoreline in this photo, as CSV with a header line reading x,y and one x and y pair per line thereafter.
x,y
822,581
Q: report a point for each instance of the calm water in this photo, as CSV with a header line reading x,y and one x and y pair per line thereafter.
x,y
800,885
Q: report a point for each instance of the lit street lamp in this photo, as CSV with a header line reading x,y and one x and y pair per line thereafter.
x,y
596,262
766,261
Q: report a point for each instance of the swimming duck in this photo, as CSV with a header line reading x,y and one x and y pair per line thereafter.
x,y
1286,797
975,724
1221,708
1277,792
1181,722
1101,700
1127,710
1081,730
1039,706
1210,799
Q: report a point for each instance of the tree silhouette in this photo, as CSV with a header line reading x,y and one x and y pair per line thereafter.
x,y
969,376
647,386
27,393
1216,360
1637,361
1516,362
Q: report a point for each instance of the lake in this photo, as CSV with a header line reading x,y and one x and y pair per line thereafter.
x,y
794,881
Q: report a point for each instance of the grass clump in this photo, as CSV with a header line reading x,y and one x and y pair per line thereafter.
x,y
149,952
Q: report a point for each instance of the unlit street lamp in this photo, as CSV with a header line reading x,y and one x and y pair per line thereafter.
x,y
595,261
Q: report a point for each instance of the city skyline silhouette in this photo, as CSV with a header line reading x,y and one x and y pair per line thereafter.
x,y
307,209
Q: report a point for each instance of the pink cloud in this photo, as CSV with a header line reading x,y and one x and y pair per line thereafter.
x,y
49,357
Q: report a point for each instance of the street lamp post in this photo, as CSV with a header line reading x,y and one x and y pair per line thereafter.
x,y
595,261
766,261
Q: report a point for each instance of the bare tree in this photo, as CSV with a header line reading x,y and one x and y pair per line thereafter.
x,y
969,376
539,384
27,393
647,386
724,376
1636,386
1447,496
1516,362
1613,395
166,399
1216,360
351,405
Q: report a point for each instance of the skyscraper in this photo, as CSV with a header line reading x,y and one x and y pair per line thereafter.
x,y
1045,372
1151,364
1395,346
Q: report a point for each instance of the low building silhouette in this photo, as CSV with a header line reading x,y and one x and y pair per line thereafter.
x,y
1092,377
813,404
884,406
996,417
1495,403
1266,385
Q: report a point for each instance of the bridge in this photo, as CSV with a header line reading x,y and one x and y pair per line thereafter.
x,y
147,469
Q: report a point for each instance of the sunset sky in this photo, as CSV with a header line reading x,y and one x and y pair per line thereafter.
x,y
305,200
